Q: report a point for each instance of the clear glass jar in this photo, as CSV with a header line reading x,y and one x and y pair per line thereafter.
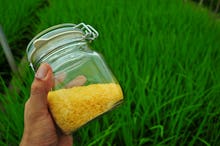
x,y
85,88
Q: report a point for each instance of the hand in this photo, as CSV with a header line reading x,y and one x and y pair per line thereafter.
x,y
39,127
77,81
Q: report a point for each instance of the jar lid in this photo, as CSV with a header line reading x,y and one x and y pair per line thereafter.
x,y
56,36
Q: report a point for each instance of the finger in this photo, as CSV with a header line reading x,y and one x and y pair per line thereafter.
x,y
65,140
59,78
78,81
41,85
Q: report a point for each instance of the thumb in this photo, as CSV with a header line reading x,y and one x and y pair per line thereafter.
x,y
40,87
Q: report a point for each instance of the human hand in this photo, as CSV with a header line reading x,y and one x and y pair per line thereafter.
x,y
39,127
77,81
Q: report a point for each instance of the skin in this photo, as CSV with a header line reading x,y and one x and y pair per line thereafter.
x,y
39,127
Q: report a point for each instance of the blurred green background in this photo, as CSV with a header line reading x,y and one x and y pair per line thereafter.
x,y
165,54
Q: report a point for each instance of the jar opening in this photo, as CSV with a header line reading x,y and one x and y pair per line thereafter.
x,y
57,36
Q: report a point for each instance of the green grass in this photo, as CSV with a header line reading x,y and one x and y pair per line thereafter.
x,y
12,106
16,18
165,55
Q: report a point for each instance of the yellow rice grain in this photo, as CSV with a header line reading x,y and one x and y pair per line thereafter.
x,y
74,107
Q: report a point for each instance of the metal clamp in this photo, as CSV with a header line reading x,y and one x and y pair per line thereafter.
x,y
90,32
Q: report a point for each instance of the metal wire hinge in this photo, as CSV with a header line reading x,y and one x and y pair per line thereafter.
x,y
90,32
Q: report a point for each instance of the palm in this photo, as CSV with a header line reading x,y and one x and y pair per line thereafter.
x,y
40,128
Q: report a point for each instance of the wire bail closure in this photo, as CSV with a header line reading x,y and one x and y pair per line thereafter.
x,y
90,32
77,32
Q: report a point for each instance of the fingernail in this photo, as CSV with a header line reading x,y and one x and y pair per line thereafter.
x,y
41,72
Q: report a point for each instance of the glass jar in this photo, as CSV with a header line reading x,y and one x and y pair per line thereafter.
x,y
85,88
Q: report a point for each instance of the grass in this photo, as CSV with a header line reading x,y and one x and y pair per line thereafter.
x,y
16,19
12,107
166,57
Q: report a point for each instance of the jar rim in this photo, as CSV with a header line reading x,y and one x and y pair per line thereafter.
x,y
30,48
88,32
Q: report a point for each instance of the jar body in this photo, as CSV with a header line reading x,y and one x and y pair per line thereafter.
x,y
84,89
80,63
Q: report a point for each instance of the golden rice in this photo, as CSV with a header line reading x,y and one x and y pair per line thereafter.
x,y
74,107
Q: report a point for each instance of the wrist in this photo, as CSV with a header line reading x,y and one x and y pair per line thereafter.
x,y
28,141
37,139
25,141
